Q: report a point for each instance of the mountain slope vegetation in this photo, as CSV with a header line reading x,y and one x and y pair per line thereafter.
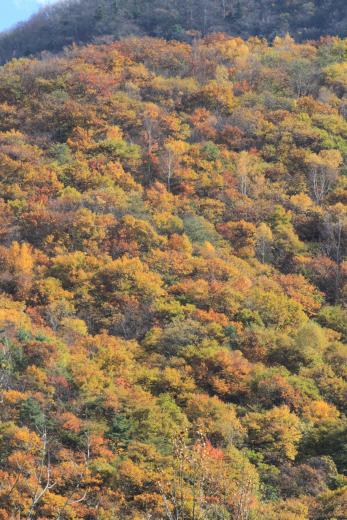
x,y
172,281
81,21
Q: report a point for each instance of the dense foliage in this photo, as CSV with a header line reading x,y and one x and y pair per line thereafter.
x,y
81,21
172,239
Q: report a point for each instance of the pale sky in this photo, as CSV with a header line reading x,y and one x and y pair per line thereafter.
x,y
14,11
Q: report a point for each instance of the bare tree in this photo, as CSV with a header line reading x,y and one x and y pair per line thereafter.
x,y
334,242
5,366
324,169
43,476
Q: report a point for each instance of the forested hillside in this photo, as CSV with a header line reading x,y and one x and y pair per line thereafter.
x,y
81,21
172,281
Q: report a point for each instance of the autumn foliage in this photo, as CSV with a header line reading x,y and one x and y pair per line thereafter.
x,y
172,281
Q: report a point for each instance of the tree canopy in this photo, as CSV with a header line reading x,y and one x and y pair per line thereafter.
x,y
173,281
81,21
